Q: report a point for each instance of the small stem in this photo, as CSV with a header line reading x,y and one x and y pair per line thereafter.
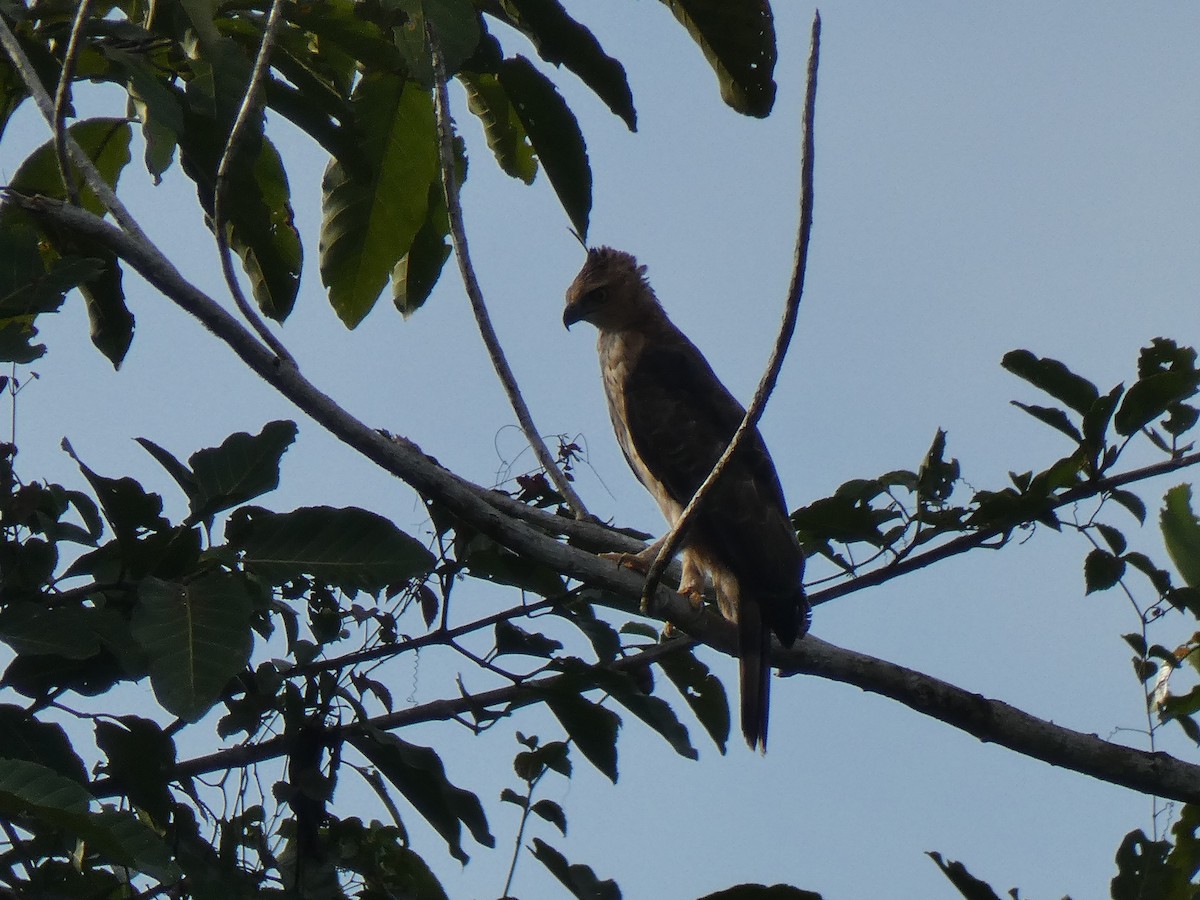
x,y
62,97
458,234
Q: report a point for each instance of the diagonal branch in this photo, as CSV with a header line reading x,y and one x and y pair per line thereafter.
x,y
458,234
990,720
237,136
674,537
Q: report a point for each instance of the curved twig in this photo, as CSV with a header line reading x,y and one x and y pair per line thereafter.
x,y
237,134
670,543
458,234
62,96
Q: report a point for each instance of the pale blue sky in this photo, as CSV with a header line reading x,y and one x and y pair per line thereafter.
x,y
1015,176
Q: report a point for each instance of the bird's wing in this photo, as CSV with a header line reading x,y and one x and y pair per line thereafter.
x,y
680,419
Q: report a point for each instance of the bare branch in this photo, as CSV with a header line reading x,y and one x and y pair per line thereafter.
x,y
458,234
237,136
62,97
670,543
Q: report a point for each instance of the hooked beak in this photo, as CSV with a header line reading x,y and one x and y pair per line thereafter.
x,y
572,314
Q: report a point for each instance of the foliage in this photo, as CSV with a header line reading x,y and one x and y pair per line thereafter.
x,y
260,633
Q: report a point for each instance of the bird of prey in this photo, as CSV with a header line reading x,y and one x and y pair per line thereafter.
x,y
673,419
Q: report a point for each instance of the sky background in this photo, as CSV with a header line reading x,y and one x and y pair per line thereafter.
x,y
1020,175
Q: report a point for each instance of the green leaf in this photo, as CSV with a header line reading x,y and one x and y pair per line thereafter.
x,y
418,774
1102,570
1142,870
738,40
1054,378
1114,538
1151,397
1097,419
1181,533
350,548
141,758
455,26
561,40
66,631
1131,502
591,726
703,692
415,275
31,787
197,636
1053,417
505,133
126,504
158,103
579,879
243,467
104,141
967,884
555,137
374,207
121,836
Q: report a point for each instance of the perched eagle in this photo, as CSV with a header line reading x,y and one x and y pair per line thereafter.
x,y
673,419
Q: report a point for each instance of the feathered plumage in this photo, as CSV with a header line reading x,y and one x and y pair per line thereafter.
x,y
673,419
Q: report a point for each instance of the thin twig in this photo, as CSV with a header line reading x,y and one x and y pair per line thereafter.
x,y
237,136
62,97
673,538
91,174
458,234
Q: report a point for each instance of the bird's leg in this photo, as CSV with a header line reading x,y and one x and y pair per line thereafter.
x,y
638,562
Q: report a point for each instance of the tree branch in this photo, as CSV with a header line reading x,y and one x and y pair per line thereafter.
x,y
670,543
237,135
458,234
62,96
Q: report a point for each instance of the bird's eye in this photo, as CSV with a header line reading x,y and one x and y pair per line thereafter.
x,y
599,295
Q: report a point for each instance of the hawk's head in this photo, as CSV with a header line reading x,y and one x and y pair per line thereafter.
x,y
610,291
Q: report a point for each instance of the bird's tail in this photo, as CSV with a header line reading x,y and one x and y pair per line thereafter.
x,y
754,652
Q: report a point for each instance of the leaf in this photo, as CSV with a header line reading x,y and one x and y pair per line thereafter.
x,y
1097,419
66,631
1131,502
554,135
513,639
1053,417
349,548
141,758
1114,538
104,141
455,26
197,636
242,468
967,884
1102,570
561,40
654,711
1151,397
703,692
552,813
738,40
579,879
505,133
127,506
591,726
414,276
762,892
936,478
1054,378
29,786
1181,533
23,737
121,836
418,774
373,209
1142,871
177,470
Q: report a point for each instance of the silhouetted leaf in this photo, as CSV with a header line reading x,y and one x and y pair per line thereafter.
x,y
579,879
552,813
29,786
1142,870
1102,570
1131,502
561,40
23,737
762,892
1053,417
1151,397
140,757
703,692
555,137
1054,378
738,40
243,467
66,631
967,884
197,636
513,639
350,548
591,726
418,774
